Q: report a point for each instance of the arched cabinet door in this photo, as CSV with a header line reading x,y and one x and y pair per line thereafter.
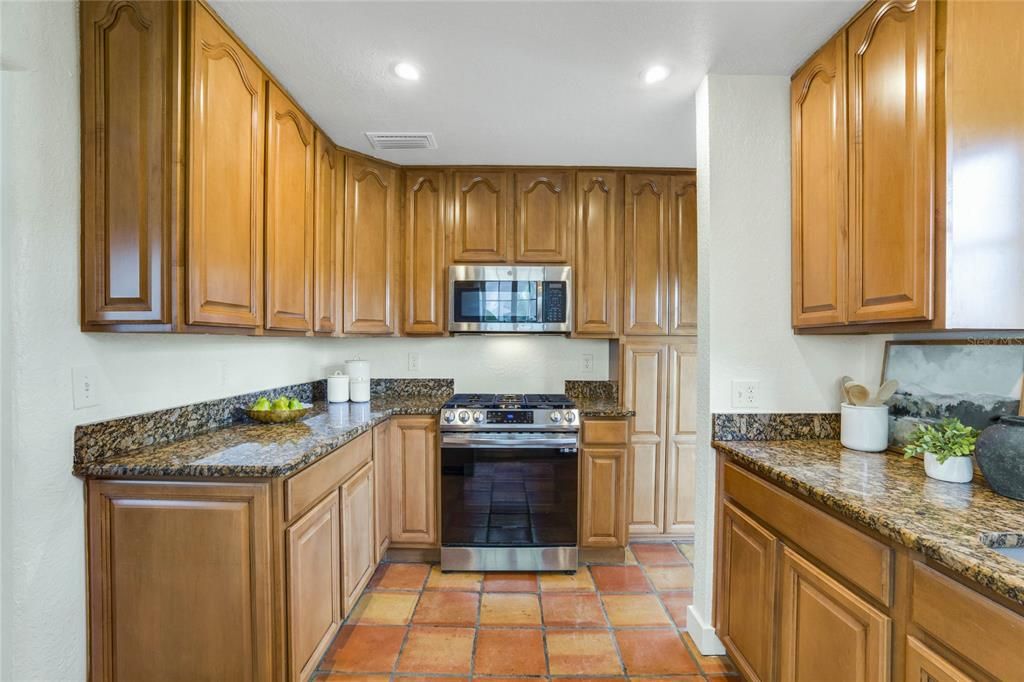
x,y
371,244
328,221
597,276
224,235
426,217
818,106
289,245
682,255
890,61
543,216
646,255
482,209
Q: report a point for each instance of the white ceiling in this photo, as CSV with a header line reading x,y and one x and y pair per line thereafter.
x,y
524,82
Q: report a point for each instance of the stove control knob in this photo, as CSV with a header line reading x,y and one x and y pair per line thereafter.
x,y
570,416
478,417
556,416
464,416
449,416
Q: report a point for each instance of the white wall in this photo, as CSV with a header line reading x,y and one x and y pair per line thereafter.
x,y
43,552
743,202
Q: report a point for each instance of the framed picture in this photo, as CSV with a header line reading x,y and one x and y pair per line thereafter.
x,y
974,381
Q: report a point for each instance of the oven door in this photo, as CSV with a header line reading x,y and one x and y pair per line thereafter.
x,y
509,299
509,490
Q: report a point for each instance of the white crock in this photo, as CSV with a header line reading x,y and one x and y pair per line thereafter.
x,y
953,470
864,427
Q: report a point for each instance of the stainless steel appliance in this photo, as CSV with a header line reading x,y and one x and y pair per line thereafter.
x,y
531,299
509,481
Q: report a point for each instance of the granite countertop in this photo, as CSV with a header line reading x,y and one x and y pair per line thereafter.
x,y
597,407
254,450
893,497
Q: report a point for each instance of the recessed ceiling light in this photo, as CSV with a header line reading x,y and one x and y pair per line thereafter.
x,y
655,74
407,71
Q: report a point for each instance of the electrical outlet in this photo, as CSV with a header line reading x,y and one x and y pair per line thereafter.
x,y
746,393
414,362
85,386
588,363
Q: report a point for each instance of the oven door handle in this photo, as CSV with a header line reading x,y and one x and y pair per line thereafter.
x,y
462,441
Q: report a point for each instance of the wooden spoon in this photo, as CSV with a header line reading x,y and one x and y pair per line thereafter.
x,y
842,389
859,393
885,392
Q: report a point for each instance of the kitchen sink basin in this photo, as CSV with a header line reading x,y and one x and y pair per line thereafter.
x,y
1010,545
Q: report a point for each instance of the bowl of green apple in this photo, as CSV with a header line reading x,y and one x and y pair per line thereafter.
x,y
281,410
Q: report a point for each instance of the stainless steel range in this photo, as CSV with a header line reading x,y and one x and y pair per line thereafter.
x,y
509,481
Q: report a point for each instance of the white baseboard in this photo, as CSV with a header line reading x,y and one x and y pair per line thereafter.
x,y
703,635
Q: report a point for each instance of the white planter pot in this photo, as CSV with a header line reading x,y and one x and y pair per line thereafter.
x,y
953,470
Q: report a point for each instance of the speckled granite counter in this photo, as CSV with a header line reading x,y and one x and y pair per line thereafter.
x,y
596,398
255,450
893,497
602,408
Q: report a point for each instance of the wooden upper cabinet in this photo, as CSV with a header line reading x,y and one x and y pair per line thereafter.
x,y
482,206
131,71
289,241
597,276
543,216
371,240
224,235
425,222
328,254
819,243
747,589
646,254
890,60
682,255
826,632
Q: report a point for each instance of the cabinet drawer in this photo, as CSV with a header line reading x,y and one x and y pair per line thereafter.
x,y
310,484
863,561
978,628
604,432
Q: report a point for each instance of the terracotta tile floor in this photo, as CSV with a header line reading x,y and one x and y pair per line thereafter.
x,y
607,622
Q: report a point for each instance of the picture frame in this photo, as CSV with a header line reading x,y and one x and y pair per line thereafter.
x,y
974,380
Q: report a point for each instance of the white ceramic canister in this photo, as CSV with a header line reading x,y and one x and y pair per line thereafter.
x,y
358,372
864,427
337,388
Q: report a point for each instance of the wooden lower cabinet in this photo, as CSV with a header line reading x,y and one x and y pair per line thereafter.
x,y
313,551
179,567
925,664
604,490
414,497
359,550
382,460
825,630
748,567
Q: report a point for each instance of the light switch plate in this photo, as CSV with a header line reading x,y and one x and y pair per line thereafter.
x,y
588,363
746,393
85,386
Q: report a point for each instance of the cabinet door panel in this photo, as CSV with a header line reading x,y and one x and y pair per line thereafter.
x,y
382,462
414,482
370,243
646,255
357,534
603,485
131,67
225,224
289,240
598,272
425,221
682,256
644,384
818,110
680,460
328,254
891,137
924,664
826,631
543,210
481,214
747,607
156,592
314,585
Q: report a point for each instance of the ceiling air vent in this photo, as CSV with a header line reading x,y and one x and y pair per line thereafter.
x,y
402,140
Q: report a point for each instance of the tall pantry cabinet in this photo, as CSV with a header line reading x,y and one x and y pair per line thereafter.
x,y
657,352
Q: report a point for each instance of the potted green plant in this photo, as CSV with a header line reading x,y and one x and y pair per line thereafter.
x,y
946,448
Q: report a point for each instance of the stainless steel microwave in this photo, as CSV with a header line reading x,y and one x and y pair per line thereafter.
x,y
522,299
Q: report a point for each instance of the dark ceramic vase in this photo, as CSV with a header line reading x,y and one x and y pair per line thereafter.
x,y
1000,454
